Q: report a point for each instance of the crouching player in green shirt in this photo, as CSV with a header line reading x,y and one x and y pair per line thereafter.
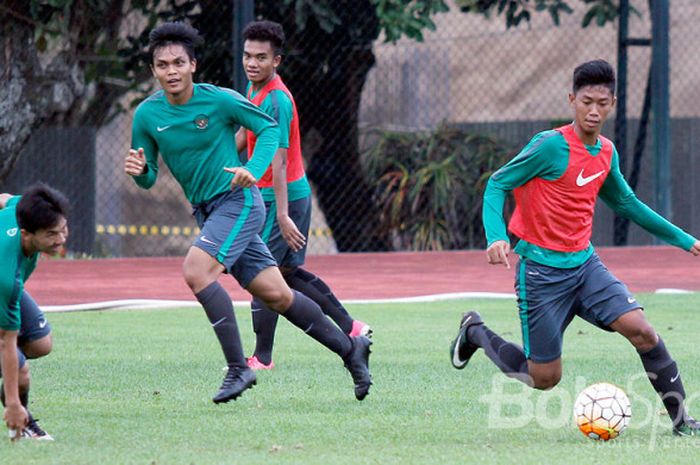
x,y
193,126
556,179
33,223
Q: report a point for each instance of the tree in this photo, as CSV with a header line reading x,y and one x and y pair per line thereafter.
x,y
328,58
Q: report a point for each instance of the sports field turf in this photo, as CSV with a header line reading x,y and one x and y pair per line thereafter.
x,y
134,387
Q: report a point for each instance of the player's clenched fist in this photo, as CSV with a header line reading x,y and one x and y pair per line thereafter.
x,y
135,163
497,253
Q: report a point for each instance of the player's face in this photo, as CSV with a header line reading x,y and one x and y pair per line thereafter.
x,y
174,69
50,240
259,61
591,105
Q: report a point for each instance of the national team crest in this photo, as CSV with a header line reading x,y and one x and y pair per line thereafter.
x,y
201,121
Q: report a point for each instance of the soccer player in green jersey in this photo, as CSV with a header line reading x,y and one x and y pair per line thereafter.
x,y
192,126
555,180
33,223
285,189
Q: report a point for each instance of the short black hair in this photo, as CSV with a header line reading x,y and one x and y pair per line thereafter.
x,y
174,32
594,73
41,207
266,31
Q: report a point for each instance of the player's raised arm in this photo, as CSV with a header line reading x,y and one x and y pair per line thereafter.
x,y
248,115
620,197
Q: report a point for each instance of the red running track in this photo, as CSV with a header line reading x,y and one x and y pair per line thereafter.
x,y
351,276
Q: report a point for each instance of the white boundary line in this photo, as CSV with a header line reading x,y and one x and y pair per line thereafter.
x,y
134,304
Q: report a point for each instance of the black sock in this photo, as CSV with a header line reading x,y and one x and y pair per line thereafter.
x,y
23,397
666,379
315,289
219,309
306,315
508,357
264,325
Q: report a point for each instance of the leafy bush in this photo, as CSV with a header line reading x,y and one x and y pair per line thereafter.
x,y
428,186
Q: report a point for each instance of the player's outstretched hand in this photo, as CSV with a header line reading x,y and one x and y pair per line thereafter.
x,y
294,238
135,163
241,177
695,249
497,253
15,417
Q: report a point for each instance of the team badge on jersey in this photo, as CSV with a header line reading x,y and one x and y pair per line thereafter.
x,y
201,121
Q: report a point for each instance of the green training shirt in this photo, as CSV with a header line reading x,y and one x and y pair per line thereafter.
x,y
197,139
547,156
278,105
15,268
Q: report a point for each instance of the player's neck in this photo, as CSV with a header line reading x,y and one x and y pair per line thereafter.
x,y
181,98
259,85
588,138
27,247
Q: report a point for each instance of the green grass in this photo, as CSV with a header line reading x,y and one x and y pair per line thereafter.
x,y
134,387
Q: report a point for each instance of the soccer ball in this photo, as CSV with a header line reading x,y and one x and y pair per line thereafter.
x,y
602,411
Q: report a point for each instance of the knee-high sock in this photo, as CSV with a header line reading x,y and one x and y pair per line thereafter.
x,y
666,379
317,290
508,357
305,314
264,325
23,396
219,309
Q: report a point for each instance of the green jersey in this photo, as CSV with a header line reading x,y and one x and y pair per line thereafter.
x,y
546,156
197,139
15,268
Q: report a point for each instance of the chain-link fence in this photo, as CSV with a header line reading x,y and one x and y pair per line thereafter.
x,y
400,138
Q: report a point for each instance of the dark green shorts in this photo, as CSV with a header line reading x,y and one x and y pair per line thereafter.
x,y
549,298
300,212
229,225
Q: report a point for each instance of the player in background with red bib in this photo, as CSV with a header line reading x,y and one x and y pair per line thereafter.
x,y
556,179
285,190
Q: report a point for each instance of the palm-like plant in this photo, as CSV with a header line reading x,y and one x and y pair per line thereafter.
x,y
428,185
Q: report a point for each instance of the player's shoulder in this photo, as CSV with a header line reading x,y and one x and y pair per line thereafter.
x,y
152,103
213,91
544,142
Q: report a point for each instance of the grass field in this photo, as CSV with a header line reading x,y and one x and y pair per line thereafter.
x,y
134,387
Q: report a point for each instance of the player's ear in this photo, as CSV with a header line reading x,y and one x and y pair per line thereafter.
x,y
153,70
276,61
194,64
572,97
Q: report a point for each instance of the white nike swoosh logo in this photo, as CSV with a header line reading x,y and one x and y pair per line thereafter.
x,y
162,128
631,300
673,380
582,181
42,324
533,273
204,239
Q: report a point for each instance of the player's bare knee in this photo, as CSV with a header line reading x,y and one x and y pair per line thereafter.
x,y
277,299
546,382
39,348
643,338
